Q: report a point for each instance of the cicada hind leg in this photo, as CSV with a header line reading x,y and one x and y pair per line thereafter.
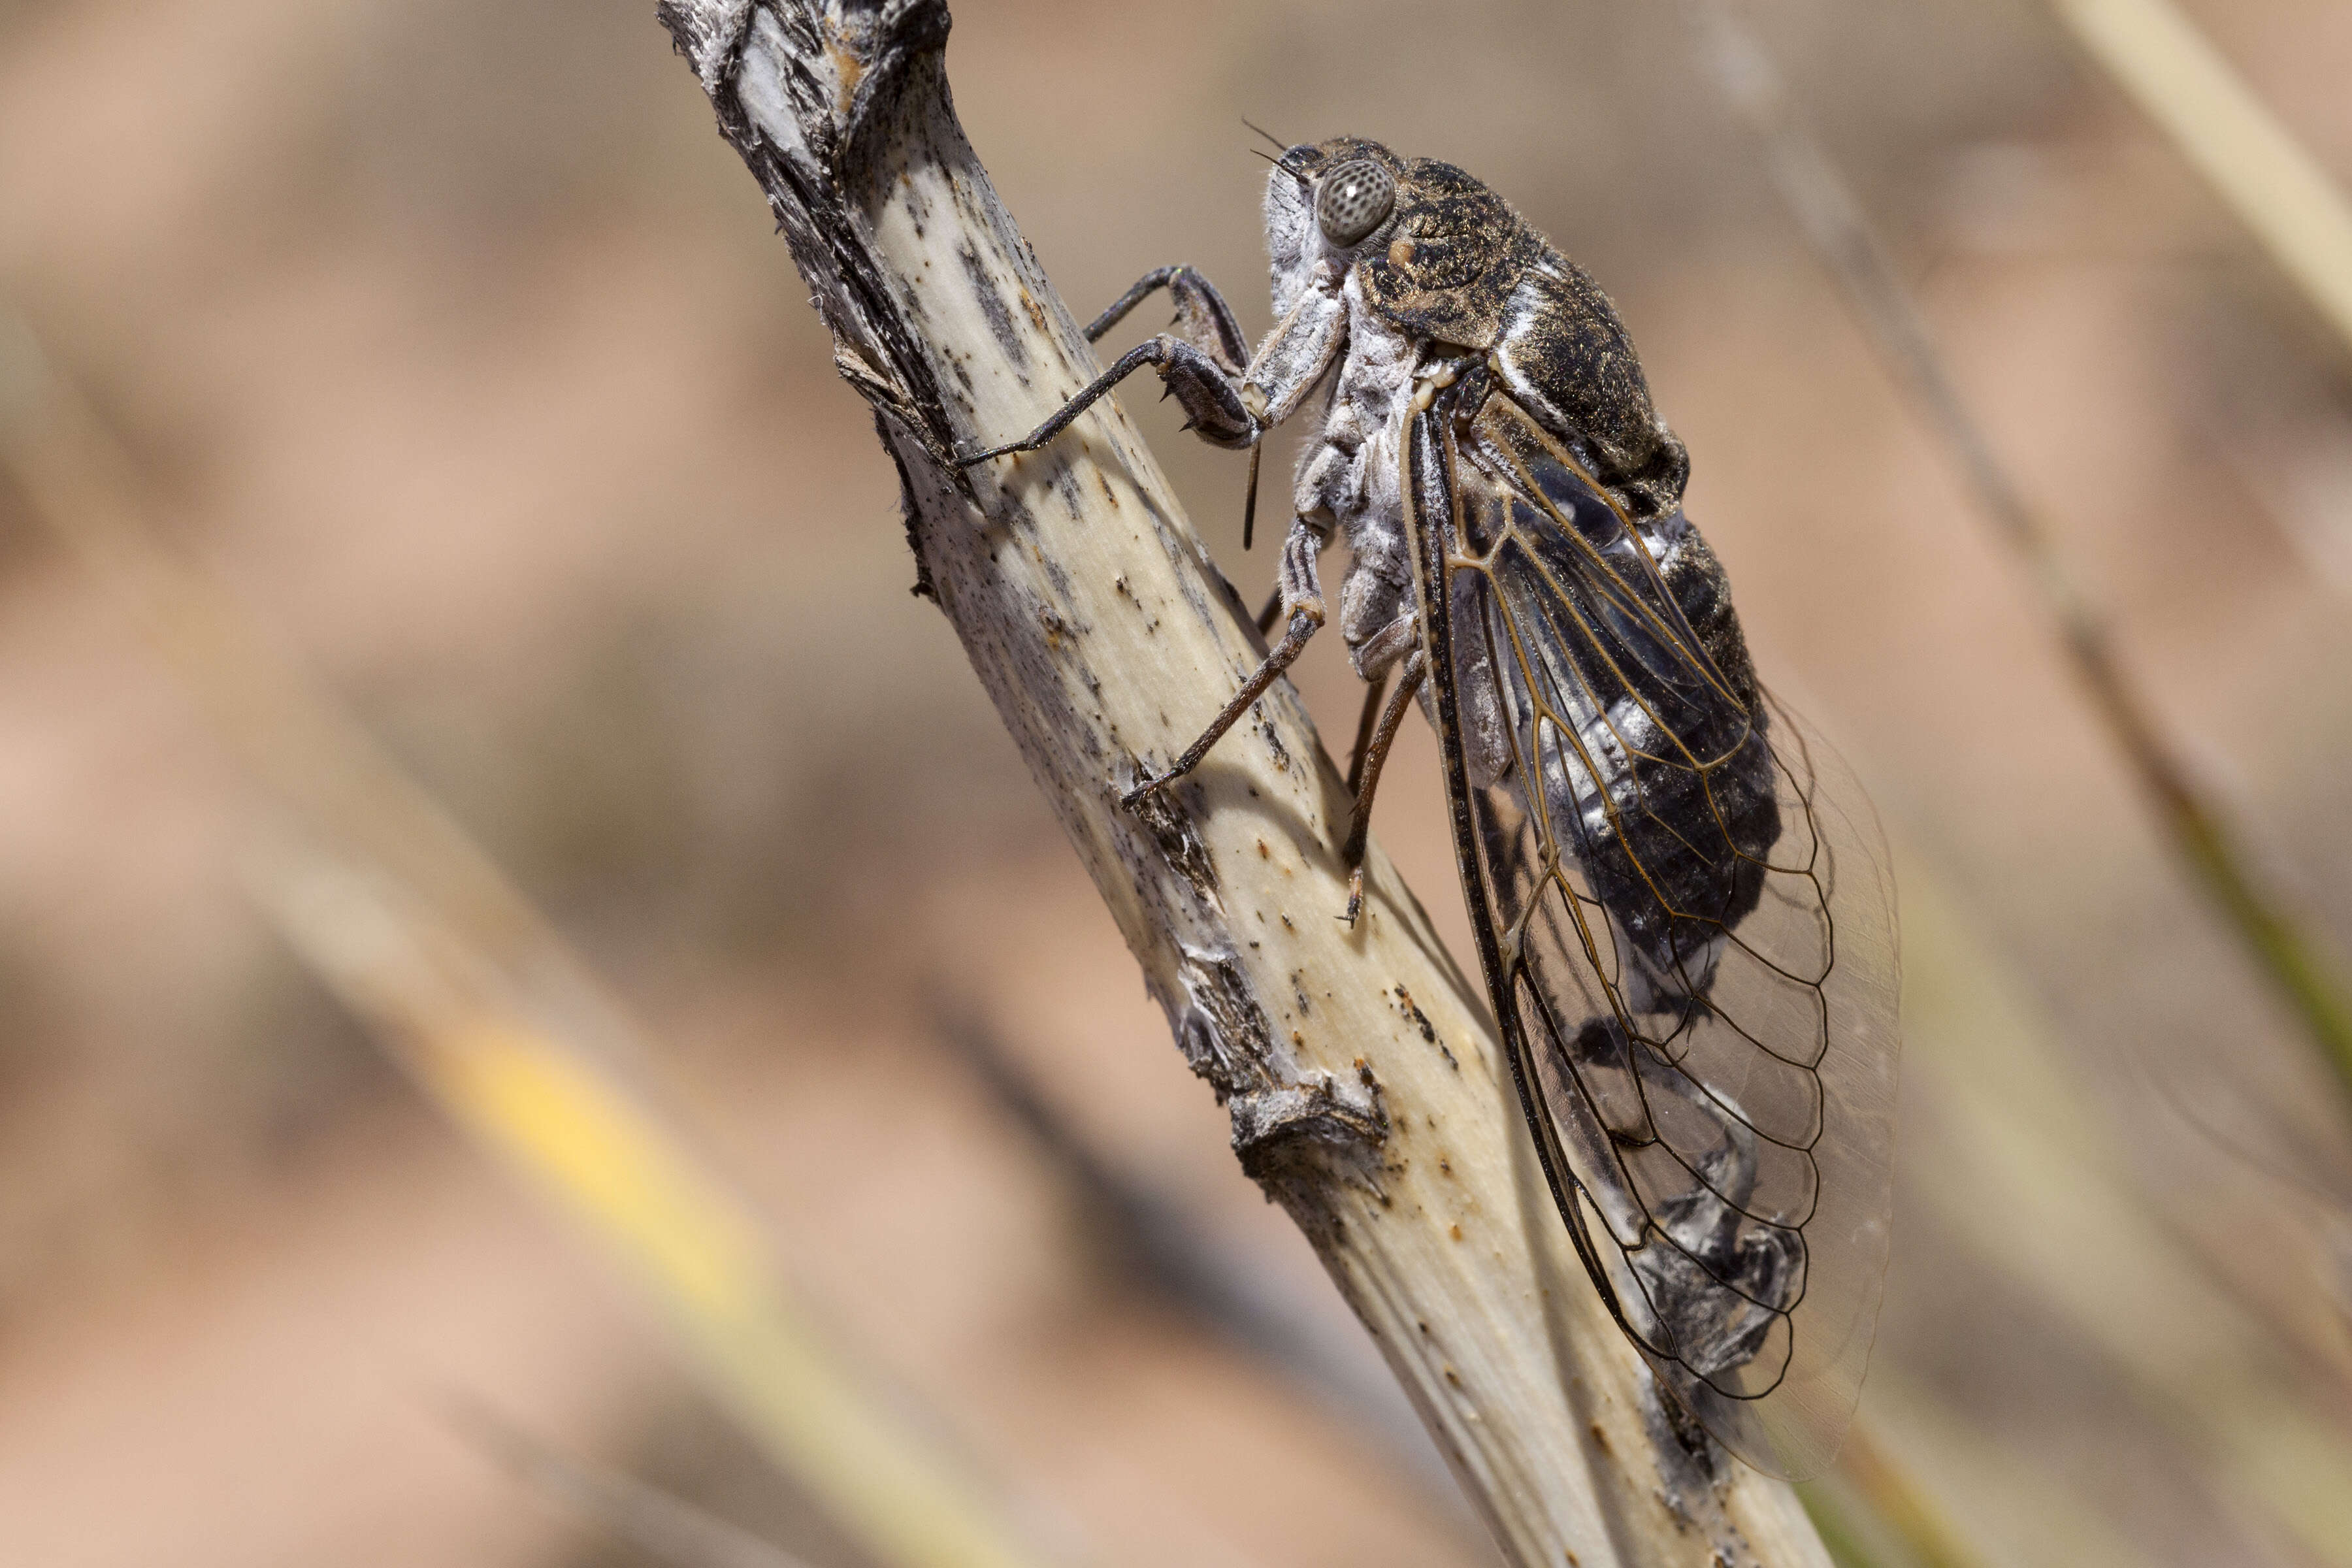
x,y
1299,591
1364,771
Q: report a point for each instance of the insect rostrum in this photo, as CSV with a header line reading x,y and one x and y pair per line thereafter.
x,y
1681,898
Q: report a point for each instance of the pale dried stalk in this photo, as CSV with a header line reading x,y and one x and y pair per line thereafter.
x,y
1367,1090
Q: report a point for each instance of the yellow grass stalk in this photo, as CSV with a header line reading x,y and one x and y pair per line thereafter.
x,y
2253,162
1896,1500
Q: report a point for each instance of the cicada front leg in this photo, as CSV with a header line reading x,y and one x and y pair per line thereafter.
x,y
1201,363
1229,405
1203,317
1226,402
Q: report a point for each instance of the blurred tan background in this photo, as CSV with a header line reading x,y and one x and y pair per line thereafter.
x,y
457,345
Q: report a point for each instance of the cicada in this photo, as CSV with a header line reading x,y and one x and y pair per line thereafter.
x,y
1681,901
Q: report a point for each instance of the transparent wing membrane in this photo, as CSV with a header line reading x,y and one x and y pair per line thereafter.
x,y
1690,928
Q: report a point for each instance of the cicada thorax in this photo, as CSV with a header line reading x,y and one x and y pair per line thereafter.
x,y
1565,356
1447,268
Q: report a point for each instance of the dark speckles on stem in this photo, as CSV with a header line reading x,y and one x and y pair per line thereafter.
x,y
1412,1010
1281,753
1693,1469
992,308
1074,498
1179,841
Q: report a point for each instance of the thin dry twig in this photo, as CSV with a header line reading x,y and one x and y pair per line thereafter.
x,y
1834,223
1366,1089
663,1526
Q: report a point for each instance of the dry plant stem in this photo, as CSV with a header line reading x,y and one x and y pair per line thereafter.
x,y
1366,1089
1835,227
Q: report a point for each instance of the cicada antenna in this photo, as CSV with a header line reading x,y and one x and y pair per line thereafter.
x,y
1301,175
1273,140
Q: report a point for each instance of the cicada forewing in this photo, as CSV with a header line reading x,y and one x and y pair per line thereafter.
x,y
1686,921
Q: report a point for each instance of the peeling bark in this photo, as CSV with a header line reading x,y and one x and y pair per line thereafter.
x,y
1366,1089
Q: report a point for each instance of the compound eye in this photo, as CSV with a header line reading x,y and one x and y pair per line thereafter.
x,y
1354,200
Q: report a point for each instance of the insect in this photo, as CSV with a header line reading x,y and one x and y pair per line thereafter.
x,y
1681,898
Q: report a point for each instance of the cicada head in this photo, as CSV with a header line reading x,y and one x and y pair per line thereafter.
x,y
1330,201
1438,253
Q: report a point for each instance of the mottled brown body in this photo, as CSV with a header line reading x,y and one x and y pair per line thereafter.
x,y
1461,270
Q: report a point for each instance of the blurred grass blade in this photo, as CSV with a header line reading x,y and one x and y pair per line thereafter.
x,y
1831,1507
1871,1514
1835,225
596,1150
664,1527
2252,160
1899,1502
471,991
2030,1186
